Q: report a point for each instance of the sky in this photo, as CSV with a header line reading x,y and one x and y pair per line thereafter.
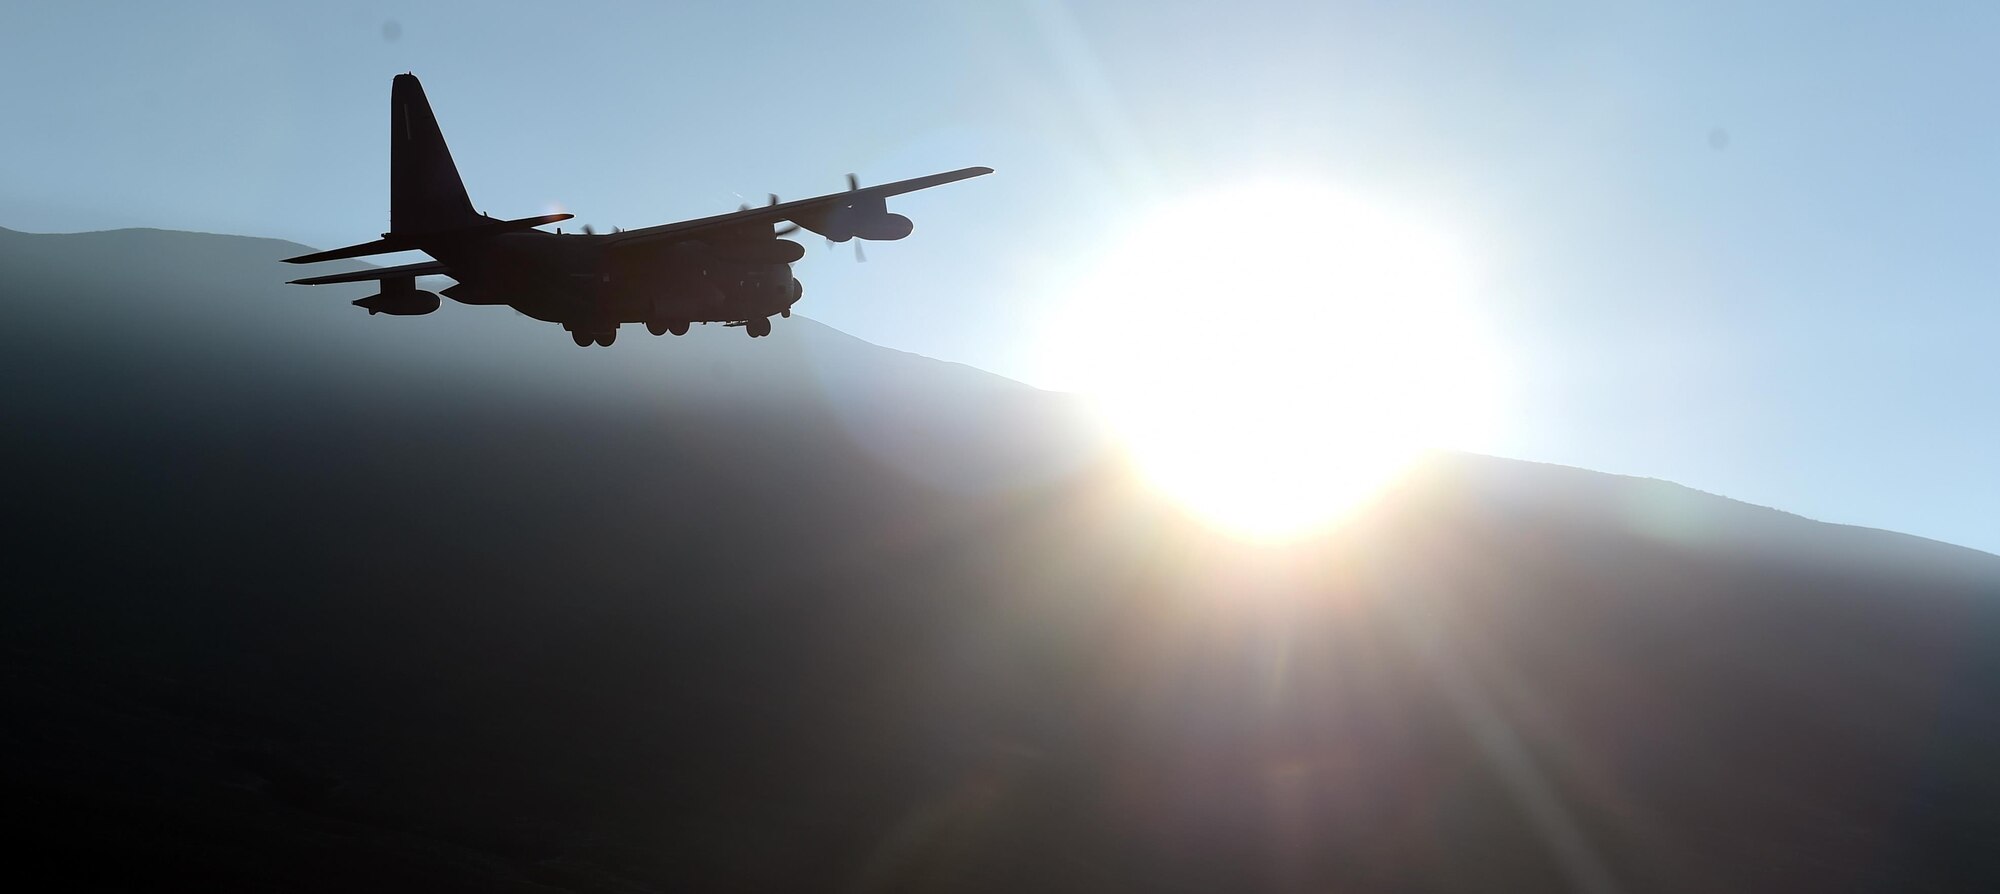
x,y
1744,247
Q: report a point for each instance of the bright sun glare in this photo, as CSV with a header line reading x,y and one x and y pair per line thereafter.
x,y
1275,355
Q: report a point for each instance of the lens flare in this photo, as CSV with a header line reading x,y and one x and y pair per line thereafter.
x,y
1274,355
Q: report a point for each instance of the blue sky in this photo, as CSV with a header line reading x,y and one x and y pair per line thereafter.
x,y
1745,247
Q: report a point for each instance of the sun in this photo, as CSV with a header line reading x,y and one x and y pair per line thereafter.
x,y
1274,355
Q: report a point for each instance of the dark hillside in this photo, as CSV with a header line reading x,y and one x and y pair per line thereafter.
x,y
302,599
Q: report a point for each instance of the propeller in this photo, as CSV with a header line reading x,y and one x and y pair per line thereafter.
x,y
786,230
588,230
860,257
789,228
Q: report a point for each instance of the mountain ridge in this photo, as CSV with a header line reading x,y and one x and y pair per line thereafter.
x,y
284,248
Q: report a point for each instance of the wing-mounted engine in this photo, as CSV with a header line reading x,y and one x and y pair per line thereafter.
x,y
755,244
865,217
765,251
400,297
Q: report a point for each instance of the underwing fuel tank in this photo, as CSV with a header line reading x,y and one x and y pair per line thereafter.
x,y
399,297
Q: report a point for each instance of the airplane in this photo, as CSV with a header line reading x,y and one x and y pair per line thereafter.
x,y
729,268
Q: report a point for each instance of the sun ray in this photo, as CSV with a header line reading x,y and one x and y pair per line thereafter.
x,y
1274,355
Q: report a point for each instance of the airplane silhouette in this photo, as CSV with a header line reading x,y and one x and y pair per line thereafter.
x,y
730,268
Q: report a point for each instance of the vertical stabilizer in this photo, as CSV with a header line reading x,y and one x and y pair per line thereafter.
x,y
425,194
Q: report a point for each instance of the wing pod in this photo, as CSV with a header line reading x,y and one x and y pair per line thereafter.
x,y
399,297
767,251
866,218
884,228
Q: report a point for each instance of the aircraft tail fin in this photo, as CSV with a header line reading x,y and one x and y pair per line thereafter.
x,y
425,194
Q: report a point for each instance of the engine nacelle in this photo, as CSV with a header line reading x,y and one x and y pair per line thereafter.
x,y
865,218
400,297
884,228
762,252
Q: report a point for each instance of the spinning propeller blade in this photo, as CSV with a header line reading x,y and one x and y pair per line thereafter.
x,y
788,228
854,183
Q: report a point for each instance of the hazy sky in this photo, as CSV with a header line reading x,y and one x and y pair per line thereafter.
x,y
1746,247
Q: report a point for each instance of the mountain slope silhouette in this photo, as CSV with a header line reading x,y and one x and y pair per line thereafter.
x,y
305,599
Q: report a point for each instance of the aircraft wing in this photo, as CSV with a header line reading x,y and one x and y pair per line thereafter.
x,y
802,211
427,268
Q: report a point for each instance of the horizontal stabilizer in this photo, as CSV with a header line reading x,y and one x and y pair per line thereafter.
x,y
378,247
428,268
395,242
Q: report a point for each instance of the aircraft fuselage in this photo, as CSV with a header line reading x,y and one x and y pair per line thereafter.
x,y
727,268
579,282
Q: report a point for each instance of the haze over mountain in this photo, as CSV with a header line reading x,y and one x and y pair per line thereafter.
x,y
309,599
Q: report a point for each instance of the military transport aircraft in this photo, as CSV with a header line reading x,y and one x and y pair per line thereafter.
x,y
730,268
